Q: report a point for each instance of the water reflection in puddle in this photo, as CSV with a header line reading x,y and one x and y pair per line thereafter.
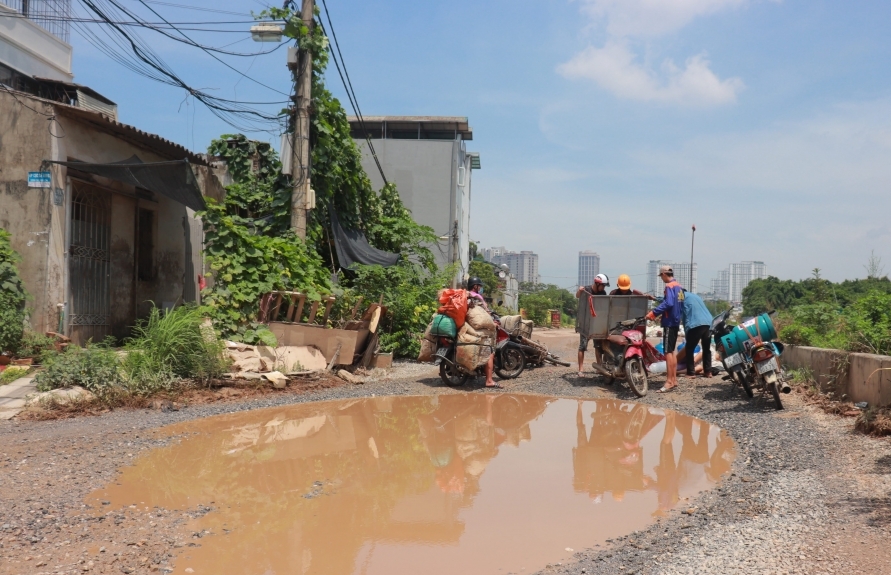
x,y
435,484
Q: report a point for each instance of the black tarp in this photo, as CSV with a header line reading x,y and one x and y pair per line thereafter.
x,y
352,247
173,179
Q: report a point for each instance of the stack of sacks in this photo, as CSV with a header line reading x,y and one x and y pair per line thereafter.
x,y
441,326
476,339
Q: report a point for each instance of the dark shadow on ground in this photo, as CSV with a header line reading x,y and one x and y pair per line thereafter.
x,y
876,509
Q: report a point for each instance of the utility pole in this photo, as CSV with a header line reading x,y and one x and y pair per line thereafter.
x,y
300,161
692,238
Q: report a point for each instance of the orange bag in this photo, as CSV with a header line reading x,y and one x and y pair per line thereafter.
x,y
454,305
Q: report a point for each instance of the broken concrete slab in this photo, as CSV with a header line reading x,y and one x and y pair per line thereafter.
x,y
349,377
293,358
62,395
277,378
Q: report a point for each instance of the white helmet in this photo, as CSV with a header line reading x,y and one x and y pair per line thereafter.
x,y
601,279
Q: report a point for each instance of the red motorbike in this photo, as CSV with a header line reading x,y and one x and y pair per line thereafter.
x,y
626,355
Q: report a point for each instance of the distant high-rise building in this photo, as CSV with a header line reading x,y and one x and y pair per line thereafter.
x,y
589,266
720,286
490,254
681,274
523,265
730,283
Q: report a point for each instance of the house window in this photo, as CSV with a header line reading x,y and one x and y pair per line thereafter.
x,y
145,242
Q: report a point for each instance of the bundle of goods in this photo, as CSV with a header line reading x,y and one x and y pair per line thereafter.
x,y
476,339
454,305
516,325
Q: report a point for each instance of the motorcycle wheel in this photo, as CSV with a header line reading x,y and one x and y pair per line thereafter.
x,y
637,376
513,362
743,381
451,376
774,390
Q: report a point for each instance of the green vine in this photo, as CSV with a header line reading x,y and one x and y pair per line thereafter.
x,y
12,296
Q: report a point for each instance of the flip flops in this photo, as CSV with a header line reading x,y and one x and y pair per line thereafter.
x,y
667,389
494,386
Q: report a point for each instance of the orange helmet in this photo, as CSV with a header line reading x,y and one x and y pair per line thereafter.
x,y
624,282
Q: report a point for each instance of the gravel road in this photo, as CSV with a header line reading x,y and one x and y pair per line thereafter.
x,y
805,494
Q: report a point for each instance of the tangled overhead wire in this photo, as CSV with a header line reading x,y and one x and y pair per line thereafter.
x,y
119,41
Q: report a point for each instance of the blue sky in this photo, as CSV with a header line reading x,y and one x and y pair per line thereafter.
x,y
610,125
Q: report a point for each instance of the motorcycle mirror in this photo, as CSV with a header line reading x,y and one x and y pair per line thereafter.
x,y
500,302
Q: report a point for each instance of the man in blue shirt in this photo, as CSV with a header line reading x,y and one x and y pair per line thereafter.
x,y
671,309
697,331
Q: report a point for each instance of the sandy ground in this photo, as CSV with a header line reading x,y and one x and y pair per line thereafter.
x,y
805,495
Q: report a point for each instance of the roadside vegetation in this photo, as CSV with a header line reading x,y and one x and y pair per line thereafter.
x,y
538,299
169,352
12,297
252,250
853,315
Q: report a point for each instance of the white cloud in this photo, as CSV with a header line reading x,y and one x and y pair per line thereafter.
x,y
614,68
651,18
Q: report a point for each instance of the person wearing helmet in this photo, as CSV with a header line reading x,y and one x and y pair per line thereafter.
x,y
597,287
624,288
475,291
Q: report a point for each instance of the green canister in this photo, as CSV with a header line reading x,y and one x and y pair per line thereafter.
x,y
756,329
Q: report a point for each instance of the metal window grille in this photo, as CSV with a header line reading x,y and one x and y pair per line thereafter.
x,y
54,16
89,259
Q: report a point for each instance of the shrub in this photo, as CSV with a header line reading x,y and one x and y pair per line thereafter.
x,y
95,367
35,345
12,296
172,345
11,374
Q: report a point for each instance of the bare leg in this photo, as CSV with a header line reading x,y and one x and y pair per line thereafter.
x,y
671,363
598,354
581,362
490,365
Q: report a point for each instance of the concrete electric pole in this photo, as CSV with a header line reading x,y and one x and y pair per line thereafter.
x,y
301,195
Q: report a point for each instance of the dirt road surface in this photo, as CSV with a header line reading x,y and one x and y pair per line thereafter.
x,y
805,494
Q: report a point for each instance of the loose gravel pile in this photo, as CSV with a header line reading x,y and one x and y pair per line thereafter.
x,y
805,495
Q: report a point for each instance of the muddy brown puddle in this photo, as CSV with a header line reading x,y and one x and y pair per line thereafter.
x,y
472,483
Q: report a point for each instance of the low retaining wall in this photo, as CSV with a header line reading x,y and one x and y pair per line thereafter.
x,y
863,376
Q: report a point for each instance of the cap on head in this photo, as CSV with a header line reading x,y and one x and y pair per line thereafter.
x,y
601,279
624,281
666,270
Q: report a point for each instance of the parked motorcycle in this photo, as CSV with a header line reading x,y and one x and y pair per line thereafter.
x,y
751,351
735,363
623,355
510,361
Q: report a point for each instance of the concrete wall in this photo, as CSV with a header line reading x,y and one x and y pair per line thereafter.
x,y
39,226
863,376
29,213
32,50
425,173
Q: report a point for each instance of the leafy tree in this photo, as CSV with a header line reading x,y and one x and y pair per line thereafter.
x,y
12,296
252,250
874,268
537,299
483,270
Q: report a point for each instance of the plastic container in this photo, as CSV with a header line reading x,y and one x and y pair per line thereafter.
x,y
756,329
443,326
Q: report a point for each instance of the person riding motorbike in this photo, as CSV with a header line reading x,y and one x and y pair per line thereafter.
x,y
597,287
475,291
624,288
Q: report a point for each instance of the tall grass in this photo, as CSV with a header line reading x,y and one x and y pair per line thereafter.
x,y
164,350
175,344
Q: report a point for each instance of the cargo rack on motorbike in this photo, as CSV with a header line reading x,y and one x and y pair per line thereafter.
x,y
608,310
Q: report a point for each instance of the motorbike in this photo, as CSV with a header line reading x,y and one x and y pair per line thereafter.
x,y
623,355
735,363
750,357
510,361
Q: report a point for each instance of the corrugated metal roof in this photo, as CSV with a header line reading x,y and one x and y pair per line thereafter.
x,y
136,136
458,124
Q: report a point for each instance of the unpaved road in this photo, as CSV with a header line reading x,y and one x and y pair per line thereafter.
x,y
805,494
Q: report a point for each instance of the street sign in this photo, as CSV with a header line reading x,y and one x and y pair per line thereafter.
x,y
40,180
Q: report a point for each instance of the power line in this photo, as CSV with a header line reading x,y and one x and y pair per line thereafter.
x,y
351,94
